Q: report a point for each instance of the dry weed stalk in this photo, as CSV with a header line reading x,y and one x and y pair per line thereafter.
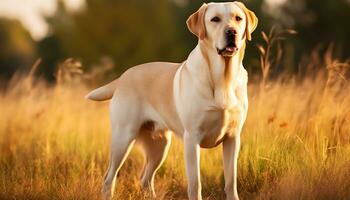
x,y
68,70
99,71
337,73
336,77
29,79
335,96
268,59
311,63
21,83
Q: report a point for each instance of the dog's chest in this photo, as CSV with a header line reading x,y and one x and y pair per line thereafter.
x,y
217,123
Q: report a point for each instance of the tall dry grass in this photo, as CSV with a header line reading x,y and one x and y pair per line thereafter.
x,y
295,143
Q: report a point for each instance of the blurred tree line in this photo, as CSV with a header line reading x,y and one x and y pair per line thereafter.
x,y
17,48
133,32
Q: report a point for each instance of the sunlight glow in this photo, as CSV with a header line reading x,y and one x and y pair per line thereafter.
x,y
30,13
275,3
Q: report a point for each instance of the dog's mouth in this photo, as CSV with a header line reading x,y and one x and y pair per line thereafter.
x,y
229,50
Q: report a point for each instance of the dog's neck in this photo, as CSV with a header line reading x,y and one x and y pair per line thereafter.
x,y
220,74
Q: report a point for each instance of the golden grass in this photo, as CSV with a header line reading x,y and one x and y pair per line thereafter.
x,y
295,145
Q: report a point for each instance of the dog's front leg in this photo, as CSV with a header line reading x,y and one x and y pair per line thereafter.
x,y
231,146
192,158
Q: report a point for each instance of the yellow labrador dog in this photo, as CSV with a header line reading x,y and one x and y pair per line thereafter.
x,y
202,100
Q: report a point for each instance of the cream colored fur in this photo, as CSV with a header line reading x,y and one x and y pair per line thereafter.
x,y
202,100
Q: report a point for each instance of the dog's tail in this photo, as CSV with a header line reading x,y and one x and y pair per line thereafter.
x,y
103,93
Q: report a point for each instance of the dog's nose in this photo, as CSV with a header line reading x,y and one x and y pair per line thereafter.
x,y
230,32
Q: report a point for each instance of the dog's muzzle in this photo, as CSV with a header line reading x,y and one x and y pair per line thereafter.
x,y
231,48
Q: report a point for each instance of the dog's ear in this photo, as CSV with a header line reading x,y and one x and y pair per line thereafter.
x,y
251,22
196,24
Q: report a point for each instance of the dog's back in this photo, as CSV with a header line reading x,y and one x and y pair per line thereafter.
x,y
150,82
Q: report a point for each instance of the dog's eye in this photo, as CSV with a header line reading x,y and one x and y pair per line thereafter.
x,y
215,19
238,18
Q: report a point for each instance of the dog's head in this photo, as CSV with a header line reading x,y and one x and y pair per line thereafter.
x,y
223,26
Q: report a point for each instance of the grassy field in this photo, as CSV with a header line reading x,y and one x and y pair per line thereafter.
x,y
295,144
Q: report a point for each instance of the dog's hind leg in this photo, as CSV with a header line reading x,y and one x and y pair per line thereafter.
x,y
122,142
155,148
125,123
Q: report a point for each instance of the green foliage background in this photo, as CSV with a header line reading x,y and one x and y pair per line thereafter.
x,y
133,32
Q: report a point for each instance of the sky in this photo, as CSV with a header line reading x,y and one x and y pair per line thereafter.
x,y
30,13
